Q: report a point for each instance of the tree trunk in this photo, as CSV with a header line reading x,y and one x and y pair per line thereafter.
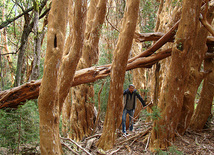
x,y
48,106
121,53
171,97
82,95
204,107
139,80
24,39
195,77
38,37
28,26
66,112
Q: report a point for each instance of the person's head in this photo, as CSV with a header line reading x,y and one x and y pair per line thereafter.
x,y
131,88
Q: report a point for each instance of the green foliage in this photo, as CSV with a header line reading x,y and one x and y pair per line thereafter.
x,y
172,150
156,114
20,126
148,11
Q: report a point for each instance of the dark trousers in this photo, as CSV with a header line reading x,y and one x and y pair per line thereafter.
x,y
131,114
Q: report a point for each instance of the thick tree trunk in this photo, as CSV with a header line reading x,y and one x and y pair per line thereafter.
x,y
171,97
121,53
195,77
82,95
48,106
204,107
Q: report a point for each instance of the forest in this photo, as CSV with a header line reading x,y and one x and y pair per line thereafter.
x,y
64,66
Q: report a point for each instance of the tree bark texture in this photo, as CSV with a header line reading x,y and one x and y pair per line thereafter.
x,y
48,106
82,95
171,96
121,53
195,77
66,112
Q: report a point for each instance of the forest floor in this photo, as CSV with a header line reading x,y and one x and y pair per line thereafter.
x,y
136,143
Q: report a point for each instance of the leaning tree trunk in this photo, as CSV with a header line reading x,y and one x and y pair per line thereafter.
x,y
204,106
82,95
195,77
48,106
171,97
121,53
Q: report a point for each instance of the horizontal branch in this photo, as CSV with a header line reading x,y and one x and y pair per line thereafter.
x,y
18,95
13,97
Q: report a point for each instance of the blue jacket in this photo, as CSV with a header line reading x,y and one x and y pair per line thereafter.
x,y
136,95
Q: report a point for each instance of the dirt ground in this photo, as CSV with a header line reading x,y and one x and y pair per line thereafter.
x,y
136,143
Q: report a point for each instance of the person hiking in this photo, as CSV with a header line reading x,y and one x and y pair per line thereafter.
x,y
129,98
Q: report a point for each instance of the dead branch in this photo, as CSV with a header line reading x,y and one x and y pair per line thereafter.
x,y
203,19
148,141
206,24
177,134
142,37
115,151
133,137
76,145
97,135
163,40
74,152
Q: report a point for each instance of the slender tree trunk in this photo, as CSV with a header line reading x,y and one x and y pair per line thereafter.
x,y
204,107
48,106
5,47
24,39
66,112
82,95
1,73
28,26
121,53
195,77
139,80
38,37
171,97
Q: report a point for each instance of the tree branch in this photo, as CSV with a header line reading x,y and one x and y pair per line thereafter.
x,y
7,22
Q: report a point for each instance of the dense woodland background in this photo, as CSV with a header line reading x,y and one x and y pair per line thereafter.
x,y
82,53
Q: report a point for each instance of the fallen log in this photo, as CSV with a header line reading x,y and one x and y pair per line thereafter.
x,y
18,95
